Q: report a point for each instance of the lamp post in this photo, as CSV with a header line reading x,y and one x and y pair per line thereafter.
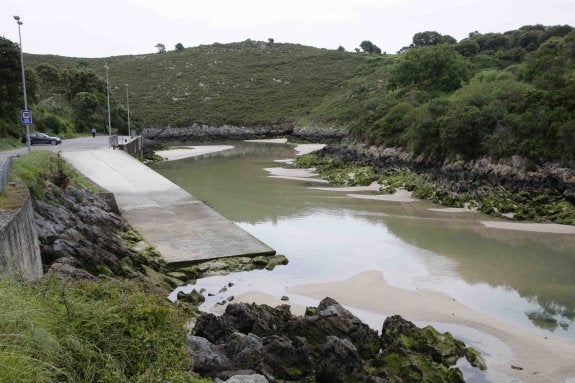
x,y
128,106
108,95
19,22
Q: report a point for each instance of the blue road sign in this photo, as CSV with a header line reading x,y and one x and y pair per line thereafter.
x,y
26,117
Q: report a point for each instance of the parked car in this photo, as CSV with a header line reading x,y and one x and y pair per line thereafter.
x,y
41,138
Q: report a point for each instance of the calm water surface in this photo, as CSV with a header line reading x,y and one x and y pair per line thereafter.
x,y
519,277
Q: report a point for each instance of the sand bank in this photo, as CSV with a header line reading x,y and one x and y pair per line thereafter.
x,y
308,148
373,187
537,227
453,210
401,195
542,358
270,140
190,151
295,174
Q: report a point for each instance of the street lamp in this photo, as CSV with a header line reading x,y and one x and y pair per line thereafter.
x,y
19,22
108,95
128,105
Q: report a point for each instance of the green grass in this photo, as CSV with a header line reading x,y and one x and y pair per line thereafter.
x,y
8,143
40,166
56,331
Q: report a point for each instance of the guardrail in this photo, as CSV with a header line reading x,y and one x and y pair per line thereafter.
x,y
4,170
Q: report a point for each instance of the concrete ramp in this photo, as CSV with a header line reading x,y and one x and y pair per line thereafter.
x,y
182,228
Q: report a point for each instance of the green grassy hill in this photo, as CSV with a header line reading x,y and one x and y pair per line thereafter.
x,y
240,83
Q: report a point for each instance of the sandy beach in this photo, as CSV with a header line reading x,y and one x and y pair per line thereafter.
x,y
373,187
531,226
302,149
295,174
541,358
401,195
191,151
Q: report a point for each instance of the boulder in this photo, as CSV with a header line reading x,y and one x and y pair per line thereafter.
x,y
328,345
330,368
208,358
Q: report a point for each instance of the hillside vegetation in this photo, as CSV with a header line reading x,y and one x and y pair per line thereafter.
x,y
247,83
492,94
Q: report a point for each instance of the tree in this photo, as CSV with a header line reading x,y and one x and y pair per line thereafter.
x,y
160,47
10,85
433,68
179,47
467,48
340,49
82,80
369,47
428,38
271,41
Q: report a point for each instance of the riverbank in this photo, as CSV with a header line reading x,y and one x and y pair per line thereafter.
x,y
510,352
506,190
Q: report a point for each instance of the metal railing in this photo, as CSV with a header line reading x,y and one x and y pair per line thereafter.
x,y
4,170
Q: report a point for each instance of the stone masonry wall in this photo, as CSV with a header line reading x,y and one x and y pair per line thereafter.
x,y
19,246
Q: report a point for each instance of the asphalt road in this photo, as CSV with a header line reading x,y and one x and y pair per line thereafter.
x,y
68,145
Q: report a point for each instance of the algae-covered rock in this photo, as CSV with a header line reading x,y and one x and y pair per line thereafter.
x,y
329,344
193,297
276,260
474,358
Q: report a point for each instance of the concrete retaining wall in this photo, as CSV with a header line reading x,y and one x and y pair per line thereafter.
x,y
19,247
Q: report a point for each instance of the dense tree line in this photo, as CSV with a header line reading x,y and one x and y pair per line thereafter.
x,y
494,94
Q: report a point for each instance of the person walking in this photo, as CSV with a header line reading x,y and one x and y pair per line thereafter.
x,y
93,132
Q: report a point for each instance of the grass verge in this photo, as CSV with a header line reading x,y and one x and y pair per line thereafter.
x,y
111,331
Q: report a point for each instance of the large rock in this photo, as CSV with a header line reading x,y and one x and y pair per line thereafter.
x,y
329,344
334,319
330,368
207,357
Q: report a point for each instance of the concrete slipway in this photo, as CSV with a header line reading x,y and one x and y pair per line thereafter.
x,y
182,228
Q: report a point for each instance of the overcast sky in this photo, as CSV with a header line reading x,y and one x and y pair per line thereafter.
x,y
101,28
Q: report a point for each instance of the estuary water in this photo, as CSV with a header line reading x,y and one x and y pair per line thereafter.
x,y
519,277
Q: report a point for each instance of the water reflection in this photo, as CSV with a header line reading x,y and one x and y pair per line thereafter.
x,y
525,278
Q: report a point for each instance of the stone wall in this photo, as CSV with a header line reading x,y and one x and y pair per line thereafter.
x,y
19,246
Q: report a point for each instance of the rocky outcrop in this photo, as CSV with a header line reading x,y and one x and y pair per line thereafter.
x,y
82,236
199,132
328,344
515,174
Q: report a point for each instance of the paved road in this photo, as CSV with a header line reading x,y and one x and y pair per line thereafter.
x,y
68,145
182,228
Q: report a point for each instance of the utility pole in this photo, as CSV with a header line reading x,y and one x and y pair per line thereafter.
x,y
108,95
28,144
128,106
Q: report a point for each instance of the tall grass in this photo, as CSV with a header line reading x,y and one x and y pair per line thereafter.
x,y
58,331
37,167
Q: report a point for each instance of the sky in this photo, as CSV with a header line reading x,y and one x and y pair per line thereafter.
x,y
102,28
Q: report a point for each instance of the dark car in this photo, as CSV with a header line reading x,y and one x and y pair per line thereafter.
x,y
41,138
